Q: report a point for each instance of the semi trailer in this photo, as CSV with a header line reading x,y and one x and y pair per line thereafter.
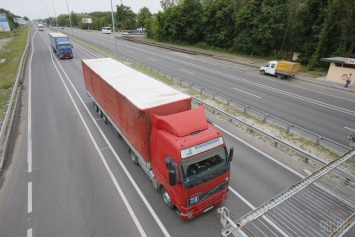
x,y
180,150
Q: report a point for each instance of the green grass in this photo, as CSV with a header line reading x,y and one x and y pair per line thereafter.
x,y
12,52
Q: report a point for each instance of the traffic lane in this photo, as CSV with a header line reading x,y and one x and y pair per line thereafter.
x,y
14,178
141,211
71,188
181,59
294,109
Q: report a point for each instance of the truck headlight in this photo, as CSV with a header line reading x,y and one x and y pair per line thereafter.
x,y
193,200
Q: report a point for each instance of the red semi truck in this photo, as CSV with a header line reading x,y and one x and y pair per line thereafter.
x,y
182,153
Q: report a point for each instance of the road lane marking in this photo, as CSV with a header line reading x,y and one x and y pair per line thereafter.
x,y
247,93
350,129
152,59
149,207
29,112
29,197
187,71
29,232
252,207
120,191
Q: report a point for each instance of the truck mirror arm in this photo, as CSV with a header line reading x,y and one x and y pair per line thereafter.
x,y
230,157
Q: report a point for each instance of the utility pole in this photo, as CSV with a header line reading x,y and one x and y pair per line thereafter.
x,y
70,20
113,26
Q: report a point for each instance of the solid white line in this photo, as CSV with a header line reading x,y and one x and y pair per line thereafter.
x,y
120,191
152,59
29,113
29,197
187,71
350,129
155,216
261,152
247,93
29,232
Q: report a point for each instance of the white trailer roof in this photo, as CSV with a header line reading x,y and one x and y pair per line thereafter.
x,y
142,90
57,34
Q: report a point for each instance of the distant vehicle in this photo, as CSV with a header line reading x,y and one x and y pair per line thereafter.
x,y
282,69
61,45
40,27
106,30
125,33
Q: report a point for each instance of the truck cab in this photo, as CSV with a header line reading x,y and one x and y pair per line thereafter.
x,y
190,162
269,68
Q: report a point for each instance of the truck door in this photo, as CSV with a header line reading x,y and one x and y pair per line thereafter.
x,y
271,69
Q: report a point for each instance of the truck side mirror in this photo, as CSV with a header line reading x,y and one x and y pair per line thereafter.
x,y
172,177
230,157
171,169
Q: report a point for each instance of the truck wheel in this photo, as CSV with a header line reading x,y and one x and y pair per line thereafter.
x,y
167,198
105,119
262,72
96,107
133,157
100,113
279,76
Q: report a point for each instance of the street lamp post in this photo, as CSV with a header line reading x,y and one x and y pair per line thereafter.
x,y
55,15
70,19
49,19
113,26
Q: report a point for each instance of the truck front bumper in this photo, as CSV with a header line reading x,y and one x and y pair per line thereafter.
x,y
190,212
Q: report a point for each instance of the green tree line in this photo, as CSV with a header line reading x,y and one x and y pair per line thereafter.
x,y
124,17
313,28
277,28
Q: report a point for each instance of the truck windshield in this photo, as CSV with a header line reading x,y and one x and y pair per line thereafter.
x,y
65,46
204,167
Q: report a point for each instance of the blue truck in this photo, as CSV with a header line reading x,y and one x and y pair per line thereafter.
x,y
61,45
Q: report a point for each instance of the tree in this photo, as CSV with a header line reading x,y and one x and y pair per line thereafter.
x,y
308,25
169,3
260,26
218,22
125,17
142,16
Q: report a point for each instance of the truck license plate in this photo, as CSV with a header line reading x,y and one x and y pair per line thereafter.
x,y
207,209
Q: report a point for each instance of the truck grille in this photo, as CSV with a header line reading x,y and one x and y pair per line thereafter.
x,y
204,196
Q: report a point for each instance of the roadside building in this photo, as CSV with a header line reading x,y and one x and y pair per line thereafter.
x,y
339,69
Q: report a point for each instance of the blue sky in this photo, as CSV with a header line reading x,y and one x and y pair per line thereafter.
x,y
35,9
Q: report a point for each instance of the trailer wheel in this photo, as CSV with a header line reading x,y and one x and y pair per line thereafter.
x,y
105,119
167,198
133,157
100,113
262,72
96,107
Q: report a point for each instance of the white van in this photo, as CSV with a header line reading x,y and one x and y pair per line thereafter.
x,y
40,27
106,30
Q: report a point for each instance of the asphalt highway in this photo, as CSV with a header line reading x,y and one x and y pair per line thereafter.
x,y
69,174
326,111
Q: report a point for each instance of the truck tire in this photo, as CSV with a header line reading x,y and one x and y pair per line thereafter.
x,y
280,76
96,107
100,113
262,72
133,157
166,198
105,119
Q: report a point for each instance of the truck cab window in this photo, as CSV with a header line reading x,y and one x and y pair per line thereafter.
x,y
272,65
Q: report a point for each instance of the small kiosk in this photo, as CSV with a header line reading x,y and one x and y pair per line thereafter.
x,y
340,68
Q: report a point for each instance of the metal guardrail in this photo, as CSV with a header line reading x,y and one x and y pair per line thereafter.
x,y
234,227
215,95
5,123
